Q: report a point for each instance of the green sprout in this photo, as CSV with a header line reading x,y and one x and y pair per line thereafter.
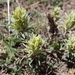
x,y
56,10
56,13
70,20
34,45
20,22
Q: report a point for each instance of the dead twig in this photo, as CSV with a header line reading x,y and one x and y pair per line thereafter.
x,y
53,26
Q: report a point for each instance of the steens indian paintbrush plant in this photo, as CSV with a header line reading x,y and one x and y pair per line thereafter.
x,y
70,45
20,22
70,21
36,54
34,45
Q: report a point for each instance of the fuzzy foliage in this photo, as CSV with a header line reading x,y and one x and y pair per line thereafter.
x,y
20,22
56,10
34,45
70,20
71,43
56,13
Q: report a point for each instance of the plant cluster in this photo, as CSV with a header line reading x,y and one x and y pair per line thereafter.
x,y
38,54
